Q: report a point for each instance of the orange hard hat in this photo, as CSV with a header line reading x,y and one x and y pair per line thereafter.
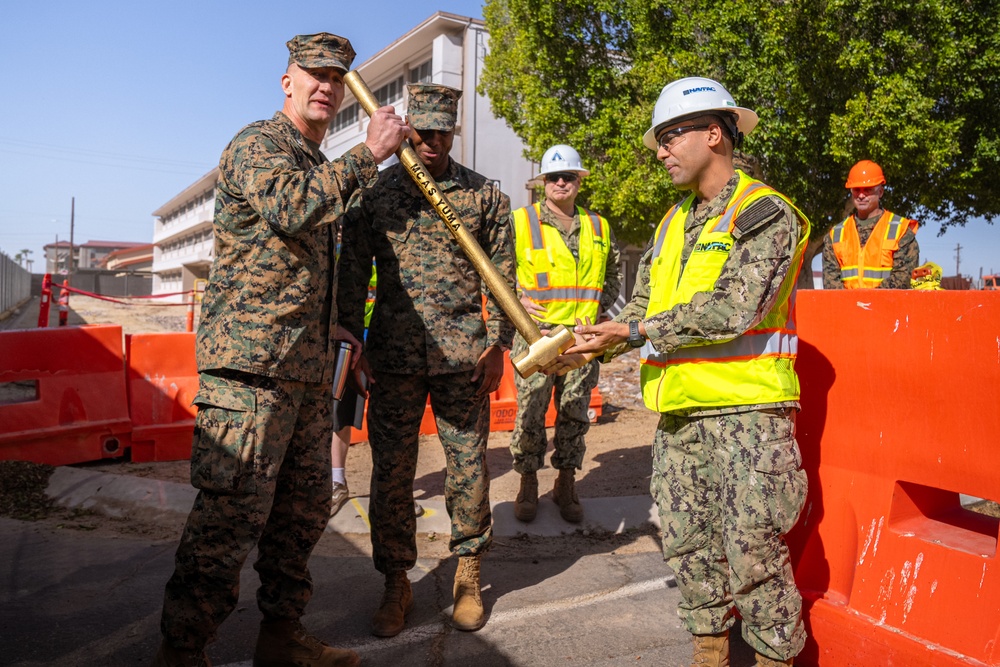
x,y
865,174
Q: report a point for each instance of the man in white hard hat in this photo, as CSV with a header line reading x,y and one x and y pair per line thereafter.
x,y
713,311
567,272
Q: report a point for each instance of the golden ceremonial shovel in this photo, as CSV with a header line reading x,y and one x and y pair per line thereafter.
x,y
541,349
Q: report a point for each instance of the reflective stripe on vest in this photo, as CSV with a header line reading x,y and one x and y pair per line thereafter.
x,y
755,367
569,288
866,268
370,301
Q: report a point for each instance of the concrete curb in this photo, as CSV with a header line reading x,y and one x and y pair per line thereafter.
x,y
124,496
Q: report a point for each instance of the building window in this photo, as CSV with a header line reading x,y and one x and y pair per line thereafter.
x,y
421,73
346,118
390,92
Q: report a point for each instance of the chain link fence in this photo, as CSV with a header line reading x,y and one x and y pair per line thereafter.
x,y
15,285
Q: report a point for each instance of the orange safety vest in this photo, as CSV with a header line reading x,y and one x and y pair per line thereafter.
x,y
866,269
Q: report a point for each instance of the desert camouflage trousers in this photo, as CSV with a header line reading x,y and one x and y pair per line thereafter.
x,y
572,401
728,487
261,461
395,409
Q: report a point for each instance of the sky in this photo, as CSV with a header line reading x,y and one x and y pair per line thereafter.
x,y
122,105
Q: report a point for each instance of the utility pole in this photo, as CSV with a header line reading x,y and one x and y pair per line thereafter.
x,y
958,259
72,215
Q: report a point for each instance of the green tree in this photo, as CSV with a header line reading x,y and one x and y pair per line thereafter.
x,y
911,84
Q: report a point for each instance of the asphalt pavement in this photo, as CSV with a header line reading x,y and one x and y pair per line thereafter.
x,y
70,597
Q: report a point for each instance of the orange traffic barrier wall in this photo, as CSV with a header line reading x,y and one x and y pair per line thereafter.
x,y
503,402
62,395
899,417
162,381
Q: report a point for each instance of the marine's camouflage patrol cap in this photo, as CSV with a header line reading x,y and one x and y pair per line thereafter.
x,y
432,106
321,50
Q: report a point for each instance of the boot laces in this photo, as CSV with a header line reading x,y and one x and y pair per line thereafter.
x,y
469,568
394,588
529,484
302,636
468,576
568,488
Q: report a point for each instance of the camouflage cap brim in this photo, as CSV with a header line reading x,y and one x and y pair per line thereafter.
x,y
431,121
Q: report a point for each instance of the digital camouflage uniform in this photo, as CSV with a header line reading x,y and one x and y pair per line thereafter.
x,y
572,391
261,451
904,260
425,338
728,481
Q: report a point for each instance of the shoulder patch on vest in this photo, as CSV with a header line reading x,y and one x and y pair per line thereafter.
x,y
755,216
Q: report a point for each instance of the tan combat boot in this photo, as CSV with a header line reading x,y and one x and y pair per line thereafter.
x,y
397,601
565,496
282,643
468,612
764,661
168,656
526,504
711,650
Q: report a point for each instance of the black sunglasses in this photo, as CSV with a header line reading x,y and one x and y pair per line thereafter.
x,y
567,177
670,137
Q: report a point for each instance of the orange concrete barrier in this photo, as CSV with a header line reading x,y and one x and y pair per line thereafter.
x,y
162,381
503,408
62,395
503,402
899,417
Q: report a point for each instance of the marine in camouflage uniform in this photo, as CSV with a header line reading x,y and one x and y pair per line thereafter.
x,y
727,478
260,456
866,183
904,260
572,391
427,336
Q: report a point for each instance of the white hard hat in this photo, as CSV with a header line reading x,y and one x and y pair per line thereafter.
x,y
562,158
691,96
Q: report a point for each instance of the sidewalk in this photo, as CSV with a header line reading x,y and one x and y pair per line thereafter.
x,y
122,496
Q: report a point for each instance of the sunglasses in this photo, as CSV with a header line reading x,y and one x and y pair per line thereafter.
x,y
564,176
668,139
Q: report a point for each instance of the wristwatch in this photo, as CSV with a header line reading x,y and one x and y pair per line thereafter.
x,y
635,339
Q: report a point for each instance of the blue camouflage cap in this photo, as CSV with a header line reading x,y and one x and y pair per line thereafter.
x,y
432,106
321,50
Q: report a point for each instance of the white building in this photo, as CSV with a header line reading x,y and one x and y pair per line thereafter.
x,y
446,49
87,255
182,238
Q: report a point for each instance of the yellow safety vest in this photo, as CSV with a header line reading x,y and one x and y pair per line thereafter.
x,y
370,301
549,274
755,367
866,268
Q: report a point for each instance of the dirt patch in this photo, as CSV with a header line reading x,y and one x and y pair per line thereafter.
x,y
617,462
986,507
23,485
134,316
